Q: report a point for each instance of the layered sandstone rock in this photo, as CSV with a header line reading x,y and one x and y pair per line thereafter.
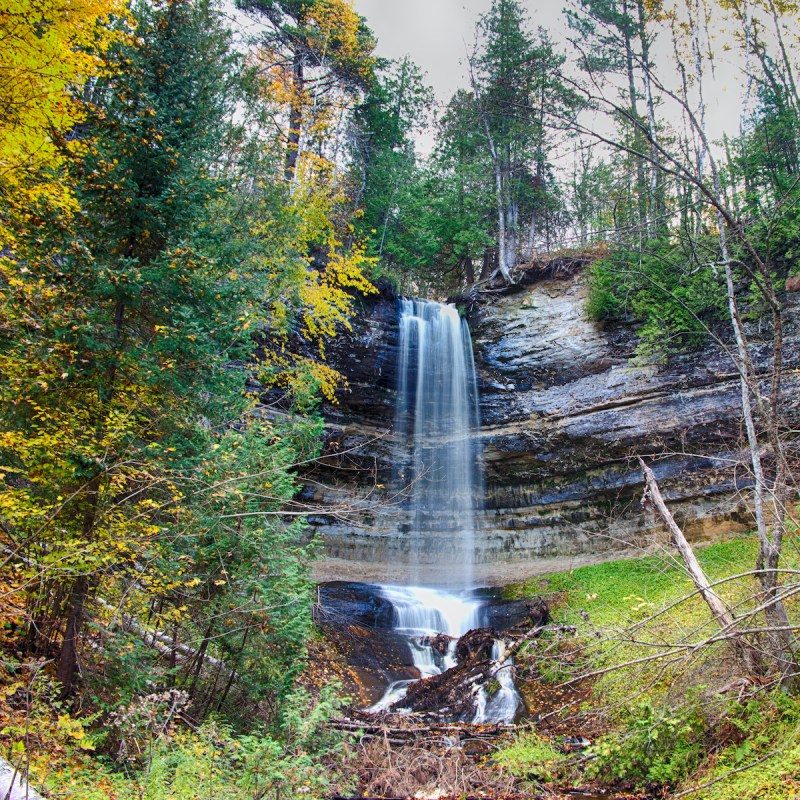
x,y
566,406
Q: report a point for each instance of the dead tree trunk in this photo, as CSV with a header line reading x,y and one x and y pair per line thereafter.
x,y
723,615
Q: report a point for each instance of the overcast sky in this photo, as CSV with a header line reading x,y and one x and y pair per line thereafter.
x,y
437,33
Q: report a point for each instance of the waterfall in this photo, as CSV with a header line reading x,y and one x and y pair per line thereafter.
x,y
421,613
436,417
438,471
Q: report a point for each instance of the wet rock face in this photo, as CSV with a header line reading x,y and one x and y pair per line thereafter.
x,y
354,604
565,409
357,622
503,615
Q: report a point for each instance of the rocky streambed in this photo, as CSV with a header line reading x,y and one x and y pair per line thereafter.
x,y
361,624
427,743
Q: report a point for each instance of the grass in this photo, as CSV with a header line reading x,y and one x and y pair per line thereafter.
x,y
531,758
677,712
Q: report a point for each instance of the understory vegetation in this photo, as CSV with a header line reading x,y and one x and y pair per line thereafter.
x,y
656,693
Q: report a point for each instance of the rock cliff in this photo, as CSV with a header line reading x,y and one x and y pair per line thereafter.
x,y
566,406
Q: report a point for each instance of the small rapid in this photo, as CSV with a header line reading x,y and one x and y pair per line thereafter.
x,y
504,702
422,616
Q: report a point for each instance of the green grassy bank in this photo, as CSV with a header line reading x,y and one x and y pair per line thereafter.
x,y
637,664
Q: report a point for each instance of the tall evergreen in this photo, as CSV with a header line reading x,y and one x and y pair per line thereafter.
x,y
319,47
614,39
120,403
520,97
384,170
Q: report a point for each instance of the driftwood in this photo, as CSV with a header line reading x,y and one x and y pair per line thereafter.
x,y
432,734
476,645
452,695
412,731
439,644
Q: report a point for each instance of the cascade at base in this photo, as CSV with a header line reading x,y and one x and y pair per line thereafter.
x,y
432,622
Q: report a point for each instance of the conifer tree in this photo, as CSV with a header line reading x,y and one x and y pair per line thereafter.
x,y
384,169
518,95
317,47
127,435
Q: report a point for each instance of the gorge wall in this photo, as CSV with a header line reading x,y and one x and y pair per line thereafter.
x,y
566,407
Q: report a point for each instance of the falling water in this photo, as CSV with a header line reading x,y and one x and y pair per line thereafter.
x,y
437,414
436,422
421,613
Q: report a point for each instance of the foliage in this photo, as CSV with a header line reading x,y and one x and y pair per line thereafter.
x,y
660,747
37,731
675,721
216,762
762,758
158,758
51,50
385,175
315,55
531,757
522,100
669,289
139,477
160,262
107,400
432,223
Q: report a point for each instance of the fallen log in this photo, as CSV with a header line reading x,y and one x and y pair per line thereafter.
x,y
450,797
476,645
653,499
413,731
450,694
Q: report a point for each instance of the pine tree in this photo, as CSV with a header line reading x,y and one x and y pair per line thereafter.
x,y
385,169
518,95
314,48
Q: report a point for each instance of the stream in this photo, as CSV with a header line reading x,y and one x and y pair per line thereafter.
x,y
432,621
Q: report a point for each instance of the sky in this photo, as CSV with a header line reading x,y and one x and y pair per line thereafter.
x,y
437,33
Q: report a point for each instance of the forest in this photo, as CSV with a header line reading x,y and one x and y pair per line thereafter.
x,y
195,200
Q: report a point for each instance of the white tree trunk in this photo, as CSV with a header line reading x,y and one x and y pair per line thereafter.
x,y
715,603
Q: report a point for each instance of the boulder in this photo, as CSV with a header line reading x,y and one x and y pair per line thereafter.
x,y
353,604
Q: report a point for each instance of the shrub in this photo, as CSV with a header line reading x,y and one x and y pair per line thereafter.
x,y
531,758
660,747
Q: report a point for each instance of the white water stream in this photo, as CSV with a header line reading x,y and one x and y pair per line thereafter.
x,y
438,465
436,419
421,613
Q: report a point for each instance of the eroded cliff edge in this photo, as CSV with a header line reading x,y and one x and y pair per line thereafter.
x,y
566,406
